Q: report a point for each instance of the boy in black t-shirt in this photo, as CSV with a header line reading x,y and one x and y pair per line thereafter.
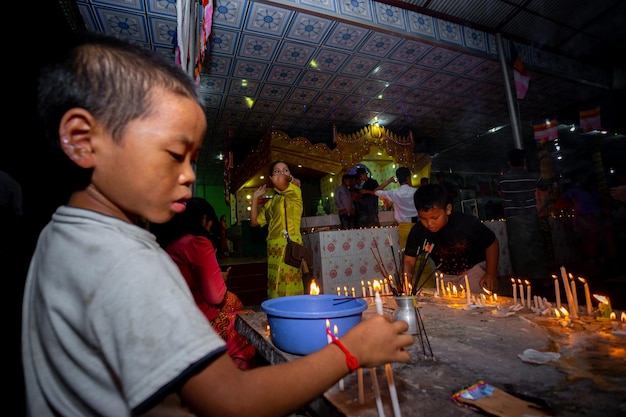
x,y
462,244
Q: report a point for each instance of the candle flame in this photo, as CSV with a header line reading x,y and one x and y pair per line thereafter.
x,y
554,276
612,316
571,276
564,312
623,317
495,296
583,280
513,280
487,291
335,330
327,324
519,281
315,290
376,285
603,299
527,282
556,313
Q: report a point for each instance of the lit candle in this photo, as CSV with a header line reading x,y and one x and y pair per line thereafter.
x,y
338,290
587,296
528,297
328,338
622,319
566,320
353,292
437,282
574,293
514,291
613,318
379,303
468,292
345,291
557,291
454,291
336,333
568,292
521,292
363,288
369,287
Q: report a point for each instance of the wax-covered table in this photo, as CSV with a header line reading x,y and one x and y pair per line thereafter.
x,y
589,378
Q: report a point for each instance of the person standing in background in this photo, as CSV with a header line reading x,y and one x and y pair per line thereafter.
x,y
367,203
343,201
404,211
517,189
424,181
281,214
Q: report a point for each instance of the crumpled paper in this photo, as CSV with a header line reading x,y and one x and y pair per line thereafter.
x,y
537,357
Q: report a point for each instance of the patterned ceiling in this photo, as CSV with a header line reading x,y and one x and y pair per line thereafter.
x,y
426,66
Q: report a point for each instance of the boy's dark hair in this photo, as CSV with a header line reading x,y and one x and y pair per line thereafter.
x,y
361,170
516,158
403,174
111,78
430,196
346,177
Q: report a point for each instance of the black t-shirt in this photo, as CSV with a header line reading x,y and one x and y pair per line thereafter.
x,y
459,245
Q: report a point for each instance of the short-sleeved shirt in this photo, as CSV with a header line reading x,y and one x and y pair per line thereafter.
x,y
459,245
272,214
403,204
109,325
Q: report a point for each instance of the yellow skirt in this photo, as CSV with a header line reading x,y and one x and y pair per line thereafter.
x,y
282,279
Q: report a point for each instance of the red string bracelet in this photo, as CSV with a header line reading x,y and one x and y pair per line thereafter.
x,y
351,360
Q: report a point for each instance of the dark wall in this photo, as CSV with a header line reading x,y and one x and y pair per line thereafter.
x,y
24,156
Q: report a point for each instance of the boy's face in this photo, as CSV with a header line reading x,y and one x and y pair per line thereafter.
x,y
435,218
149,172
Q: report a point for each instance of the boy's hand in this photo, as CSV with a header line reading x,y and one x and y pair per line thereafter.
x,y
489,282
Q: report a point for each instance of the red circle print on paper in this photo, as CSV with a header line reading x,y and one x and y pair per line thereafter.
x,y
363,270
333,273
361,244
348,272
346,246
331,247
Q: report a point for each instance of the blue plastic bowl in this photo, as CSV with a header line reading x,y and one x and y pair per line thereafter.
x,y
298,322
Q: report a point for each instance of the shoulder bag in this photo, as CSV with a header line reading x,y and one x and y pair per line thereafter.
x,y
296,255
